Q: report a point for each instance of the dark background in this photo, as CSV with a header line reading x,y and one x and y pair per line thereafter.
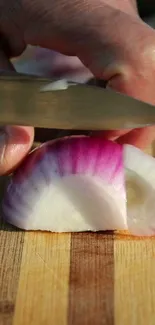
x,y
146,7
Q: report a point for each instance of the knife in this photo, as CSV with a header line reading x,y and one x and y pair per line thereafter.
x,y
59,104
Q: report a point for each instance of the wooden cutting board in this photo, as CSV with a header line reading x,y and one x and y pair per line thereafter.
x,y
76,279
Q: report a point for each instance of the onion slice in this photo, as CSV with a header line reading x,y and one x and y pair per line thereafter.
x,y
71,184
83,183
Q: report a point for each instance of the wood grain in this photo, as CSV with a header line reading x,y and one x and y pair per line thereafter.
x,y
134,281
42,296
91,299
11,247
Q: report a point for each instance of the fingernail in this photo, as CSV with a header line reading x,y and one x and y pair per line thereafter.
x,y
3,144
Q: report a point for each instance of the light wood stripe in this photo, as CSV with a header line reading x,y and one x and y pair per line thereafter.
x,y
134,281
91,280
42,296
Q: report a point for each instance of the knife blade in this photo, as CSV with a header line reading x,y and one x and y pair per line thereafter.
x,y
49,103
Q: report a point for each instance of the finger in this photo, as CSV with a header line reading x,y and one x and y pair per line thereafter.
x,y
140,138
15,141
108,37
126,62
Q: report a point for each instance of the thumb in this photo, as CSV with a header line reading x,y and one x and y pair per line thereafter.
x,y
15,141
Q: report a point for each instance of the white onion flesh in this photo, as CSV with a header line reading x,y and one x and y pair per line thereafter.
x,y
140,185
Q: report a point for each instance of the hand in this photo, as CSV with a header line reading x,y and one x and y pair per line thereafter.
x,y
107,35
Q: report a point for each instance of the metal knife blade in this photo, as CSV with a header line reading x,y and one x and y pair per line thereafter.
x,y
35,101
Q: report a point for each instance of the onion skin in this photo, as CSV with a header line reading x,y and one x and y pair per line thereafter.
x,y
90,168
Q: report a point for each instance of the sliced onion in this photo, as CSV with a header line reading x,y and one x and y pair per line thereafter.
x,y
79,183
72,184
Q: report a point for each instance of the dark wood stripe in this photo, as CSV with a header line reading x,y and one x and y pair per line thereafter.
x,y
11,246
91,296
